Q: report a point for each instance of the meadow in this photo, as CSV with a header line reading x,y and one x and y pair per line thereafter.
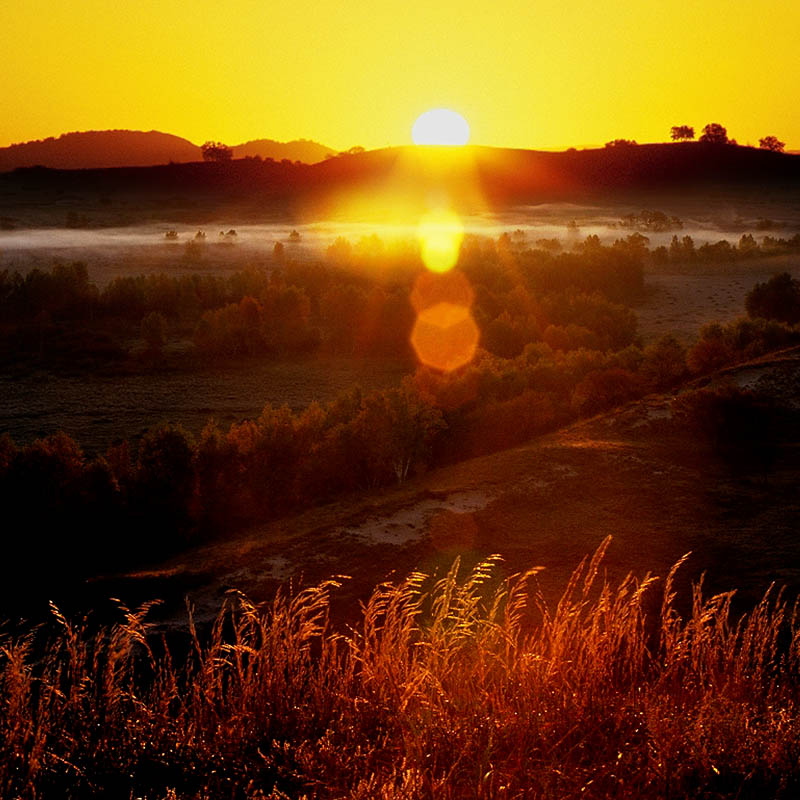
x,y
258,421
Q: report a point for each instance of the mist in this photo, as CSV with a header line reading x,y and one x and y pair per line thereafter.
x,y
110,252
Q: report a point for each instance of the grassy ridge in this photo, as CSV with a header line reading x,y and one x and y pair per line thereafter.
x,y
462,686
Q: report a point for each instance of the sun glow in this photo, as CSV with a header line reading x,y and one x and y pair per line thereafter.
x,y
440,126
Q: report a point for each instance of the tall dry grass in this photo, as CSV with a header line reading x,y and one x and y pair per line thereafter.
x,y
461,687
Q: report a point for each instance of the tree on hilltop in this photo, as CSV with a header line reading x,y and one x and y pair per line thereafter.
x,y
216,151
680,133
715,133
771,143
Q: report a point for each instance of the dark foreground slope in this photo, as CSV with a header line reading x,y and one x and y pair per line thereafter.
x,y
474,178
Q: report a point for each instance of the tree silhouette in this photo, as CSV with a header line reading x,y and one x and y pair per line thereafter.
x,y
216,151
778,298
715,134
681,133
771,143
621,143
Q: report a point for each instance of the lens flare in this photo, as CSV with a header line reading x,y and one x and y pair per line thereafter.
x,y
445,336
440,234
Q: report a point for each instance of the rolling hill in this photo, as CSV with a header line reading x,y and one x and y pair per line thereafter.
x,y
123,148
374,183
304,150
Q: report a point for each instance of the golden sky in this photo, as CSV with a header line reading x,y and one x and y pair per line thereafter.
x,y
524,73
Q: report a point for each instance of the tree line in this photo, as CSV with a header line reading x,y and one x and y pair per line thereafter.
x,y
713,133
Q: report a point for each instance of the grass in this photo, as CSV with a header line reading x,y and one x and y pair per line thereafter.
x,y
462,686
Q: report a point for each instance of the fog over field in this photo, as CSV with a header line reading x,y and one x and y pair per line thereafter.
x,y
105,249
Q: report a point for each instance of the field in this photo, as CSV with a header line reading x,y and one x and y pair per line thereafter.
x,y
680,300
461,677
100,409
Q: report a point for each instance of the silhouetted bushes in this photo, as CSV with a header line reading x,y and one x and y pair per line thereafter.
x,y
556,355
356,304
683,250
63,293
721,345
738,423
778,299
62,512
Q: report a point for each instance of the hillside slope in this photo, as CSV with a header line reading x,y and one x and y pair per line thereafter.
x,y
304,150
630,474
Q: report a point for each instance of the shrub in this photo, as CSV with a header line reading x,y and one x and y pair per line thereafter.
x,y
778,299
154,332
727,416
604,389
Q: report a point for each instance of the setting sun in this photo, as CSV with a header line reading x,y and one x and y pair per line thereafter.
x,y
440,126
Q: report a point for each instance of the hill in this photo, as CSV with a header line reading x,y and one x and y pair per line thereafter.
x,y
634,472
124,148
499,177
393,181
99,149
304,150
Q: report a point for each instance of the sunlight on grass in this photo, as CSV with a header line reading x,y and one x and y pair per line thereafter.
x,y
461,685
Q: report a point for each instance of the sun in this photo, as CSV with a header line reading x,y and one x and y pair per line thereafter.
x,y
440,126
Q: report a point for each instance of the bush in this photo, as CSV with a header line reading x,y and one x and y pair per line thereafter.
x,y
604,389
728,417
154,332
778,299
664,363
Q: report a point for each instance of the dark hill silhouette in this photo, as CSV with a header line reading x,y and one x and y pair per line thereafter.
x,y
123,148
304,150
501,177
369,182
97,149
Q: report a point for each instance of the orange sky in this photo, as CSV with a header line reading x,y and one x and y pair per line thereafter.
x,y
524,73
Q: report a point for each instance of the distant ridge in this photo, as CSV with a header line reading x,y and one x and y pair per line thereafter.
x,y
297,150
99,149
379,184
124,148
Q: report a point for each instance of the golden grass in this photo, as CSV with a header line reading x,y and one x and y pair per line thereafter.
x,y
461,687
